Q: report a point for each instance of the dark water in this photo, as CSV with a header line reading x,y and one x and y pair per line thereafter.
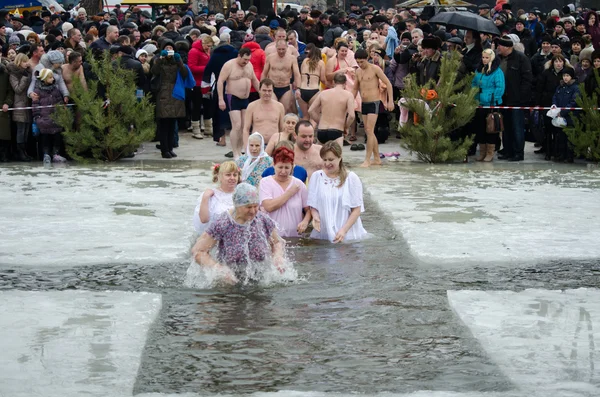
x,y
363,317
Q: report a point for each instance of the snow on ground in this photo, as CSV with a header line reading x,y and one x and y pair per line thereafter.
x,y
96,215
544,341
453,215
73,343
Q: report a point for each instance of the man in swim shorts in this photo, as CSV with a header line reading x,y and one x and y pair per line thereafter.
x,y
264,116
280,68
334,111
367,83
238,75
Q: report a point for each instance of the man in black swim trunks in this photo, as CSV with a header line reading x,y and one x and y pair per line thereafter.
x,y
333,110
238,74
281,68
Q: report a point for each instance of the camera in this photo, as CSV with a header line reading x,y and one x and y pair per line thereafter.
x,y
170,53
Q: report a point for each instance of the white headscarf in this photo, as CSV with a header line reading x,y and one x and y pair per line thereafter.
x,y
251,162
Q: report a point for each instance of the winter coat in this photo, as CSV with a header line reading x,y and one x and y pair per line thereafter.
x,y
182,48
173,36
399,72
263,40
591,84
582,74
6,97
527,40
166,70
331,34
197,61
538,63
471,59
429,69
593,31
257,60
298,26
566,97
100,45
547,83
130,63
517,79
19,80
537,30
219,56
49,95
45,64
491,85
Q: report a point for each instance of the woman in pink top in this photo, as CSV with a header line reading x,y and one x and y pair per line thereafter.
x,y
284,196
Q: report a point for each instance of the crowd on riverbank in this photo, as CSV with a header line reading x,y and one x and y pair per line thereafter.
x,y
340,69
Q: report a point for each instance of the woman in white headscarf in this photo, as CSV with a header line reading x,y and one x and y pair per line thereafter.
x,y
255,161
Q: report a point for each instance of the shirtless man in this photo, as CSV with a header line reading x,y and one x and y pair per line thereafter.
x,y
367,83
334,111
264,116
306,153
74,69
280,35
238,74
280,68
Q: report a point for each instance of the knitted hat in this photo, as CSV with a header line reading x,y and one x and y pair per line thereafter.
x,y
515,39
569,71
14,39
55,57
249,37
140,52
587,55
66,27
82,10
150,49
44,74
505,41
405,35
125,49
546,39
596,55
554,13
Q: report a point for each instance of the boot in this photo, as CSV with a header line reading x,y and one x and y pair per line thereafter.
x,y
208,127
489,153
3,154
21,153
482,151
196,133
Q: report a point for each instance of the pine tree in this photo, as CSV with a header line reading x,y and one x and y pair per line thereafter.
x,y
584,135
453,107
111,122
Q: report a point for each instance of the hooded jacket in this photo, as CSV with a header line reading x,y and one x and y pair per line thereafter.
x,y
566,96
49,95
19,80
263,40
547,84
491,84
257,60
197,61
58,79
298,26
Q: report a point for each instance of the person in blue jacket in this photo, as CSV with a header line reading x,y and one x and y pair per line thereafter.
x,y
565,97
489,79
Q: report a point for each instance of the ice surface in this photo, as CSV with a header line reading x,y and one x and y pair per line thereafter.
x,y
544,341
73,343
290,393
72,216
457,216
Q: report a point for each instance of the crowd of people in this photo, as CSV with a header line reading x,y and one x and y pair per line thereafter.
x,y
338,69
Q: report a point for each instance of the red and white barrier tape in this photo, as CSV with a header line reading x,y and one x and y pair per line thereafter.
x,y
39,107
528,108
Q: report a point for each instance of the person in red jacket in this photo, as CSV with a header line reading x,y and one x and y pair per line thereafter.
x,y
257,60
201,103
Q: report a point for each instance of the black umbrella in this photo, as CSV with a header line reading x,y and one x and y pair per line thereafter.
x,y
466,20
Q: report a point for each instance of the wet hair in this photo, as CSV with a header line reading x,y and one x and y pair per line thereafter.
x,y
303,123
224,168
339,78
73,56
267,82
244,51
314,57
283,155
334,147
361,54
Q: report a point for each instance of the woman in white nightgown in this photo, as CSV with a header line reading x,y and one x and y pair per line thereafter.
x,y
335,197
214,202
